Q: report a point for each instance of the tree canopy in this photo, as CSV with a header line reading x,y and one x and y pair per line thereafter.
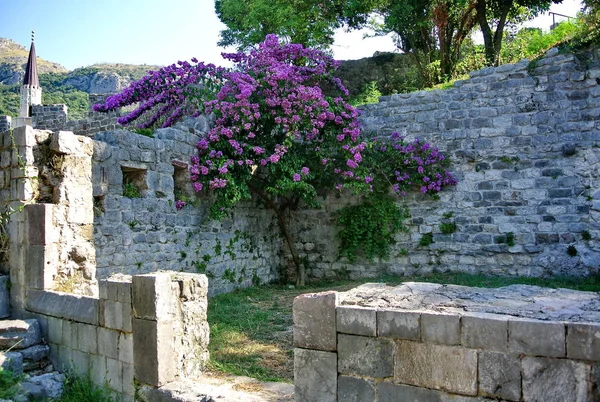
x,y
310,23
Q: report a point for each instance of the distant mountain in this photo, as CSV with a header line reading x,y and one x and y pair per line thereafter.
x,y
391,72
13,58
60,85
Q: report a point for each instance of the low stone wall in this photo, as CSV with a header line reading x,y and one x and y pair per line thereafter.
x,y
428,342
151,330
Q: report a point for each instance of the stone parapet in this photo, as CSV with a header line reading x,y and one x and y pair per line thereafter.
x,y
427,342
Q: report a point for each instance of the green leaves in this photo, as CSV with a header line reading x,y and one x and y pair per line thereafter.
x,y
369,228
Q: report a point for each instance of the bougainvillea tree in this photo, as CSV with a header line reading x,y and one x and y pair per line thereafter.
x,y
276,135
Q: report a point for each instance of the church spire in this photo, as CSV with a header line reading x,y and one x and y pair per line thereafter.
x,y
31,93
31,74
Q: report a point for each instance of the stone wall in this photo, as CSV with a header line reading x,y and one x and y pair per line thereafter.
x,y
524,141
55,118
145,332
144,232
429,342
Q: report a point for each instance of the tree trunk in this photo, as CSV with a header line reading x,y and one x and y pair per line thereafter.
x,y
488,37
300,269
289,239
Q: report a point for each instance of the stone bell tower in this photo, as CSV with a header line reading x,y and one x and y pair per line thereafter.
x,y
31,92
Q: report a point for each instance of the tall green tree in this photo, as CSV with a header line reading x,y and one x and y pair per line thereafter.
x,y
430,30
307,22
493,16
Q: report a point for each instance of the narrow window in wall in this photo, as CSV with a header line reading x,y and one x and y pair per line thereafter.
x,y
98,205
134,182
181,181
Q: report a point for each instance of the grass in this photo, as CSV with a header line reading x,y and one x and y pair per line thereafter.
x,y
77,389
9,382
82,389
251,329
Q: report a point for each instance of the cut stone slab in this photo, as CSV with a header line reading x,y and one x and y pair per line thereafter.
x,y
449,368
554,380
315,372
19,334
523,301
315,320
499,375
365,356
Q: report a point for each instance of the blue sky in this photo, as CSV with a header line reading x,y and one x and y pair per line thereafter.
x,y
77,33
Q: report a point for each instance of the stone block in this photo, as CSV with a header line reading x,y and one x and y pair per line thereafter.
x,y
485,331
399,324
72,307
4,296
12,361
35,353
54,333
525,337
41,266
154,351
389,392
40,227
126,348
365,356
583,341
80,362
19,334
315,376
108,342
314,320
440,328
352,389
152,296
114,374
554,380
65,142
499,376
98,369
356,320
87,338
111,314
449,368
128,380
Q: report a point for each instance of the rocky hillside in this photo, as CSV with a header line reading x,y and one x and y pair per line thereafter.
x,y
60,85
13,58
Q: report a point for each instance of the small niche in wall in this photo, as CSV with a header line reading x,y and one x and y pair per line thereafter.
x,y
134,182
181,181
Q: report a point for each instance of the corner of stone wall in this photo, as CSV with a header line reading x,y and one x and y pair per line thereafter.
x,y
315,342
170,331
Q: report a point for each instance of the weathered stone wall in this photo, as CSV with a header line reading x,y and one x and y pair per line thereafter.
x,y
524,142
146,233
55,118
148,331
429,342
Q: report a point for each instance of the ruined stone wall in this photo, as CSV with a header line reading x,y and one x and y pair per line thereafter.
x,y
524,141
430,342
138,229
55,118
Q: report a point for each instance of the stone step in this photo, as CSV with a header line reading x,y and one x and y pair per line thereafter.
x,y
19,334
